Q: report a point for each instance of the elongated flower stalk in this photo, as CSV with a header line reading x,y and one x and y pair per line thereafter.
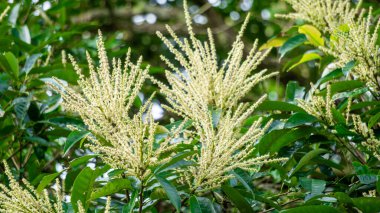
x,y
318,106
352,37
326,15
105,102
208,94
25,199
4,13
370,140
355,40
107,208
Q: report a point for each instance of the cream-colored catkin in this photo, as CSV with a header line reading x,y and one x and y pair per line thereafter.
x,y
353,37
108,205
25,199
323,14
348,109
105,101
64,58
4,13
318,106
209,94
370,140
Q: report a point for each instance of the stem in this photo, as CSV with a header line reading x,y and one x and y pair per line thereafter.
x,y
127,195
346,144
186,198
353,151
21,166
141,198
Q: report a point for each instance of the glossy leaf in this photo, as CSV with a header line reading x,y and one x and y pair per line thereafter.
x,y
194,205
303,59
292,43
278,105
314,186
341,86
29,64
131,204
46,180
237,199
171,192
14,14
293,91
299,119
274,42
81,160
374,120
112,186
9,63
73,138
84,184
367,204
275,140
313,35
306,159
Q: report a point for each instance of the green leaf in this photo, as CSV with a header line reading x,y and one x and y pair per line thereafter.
x,y
342,197
364,173
303,59
84,184
292,43
342,130
274,42
293,91
374,120
9,63
299,119
194,205
330,76
314,36
175,159
367,204
243,178
21,106
132,202
81,160
171,192
46,180
311,209
206,205
341,86
111,187
275,140
314,186
306,159
353,93
24,34
279,105
237,199
364,104
29,64
14,14
73,138
338,116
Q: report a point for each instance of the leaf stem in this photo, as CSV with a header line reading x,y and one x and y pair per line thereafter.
x,y
141,198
